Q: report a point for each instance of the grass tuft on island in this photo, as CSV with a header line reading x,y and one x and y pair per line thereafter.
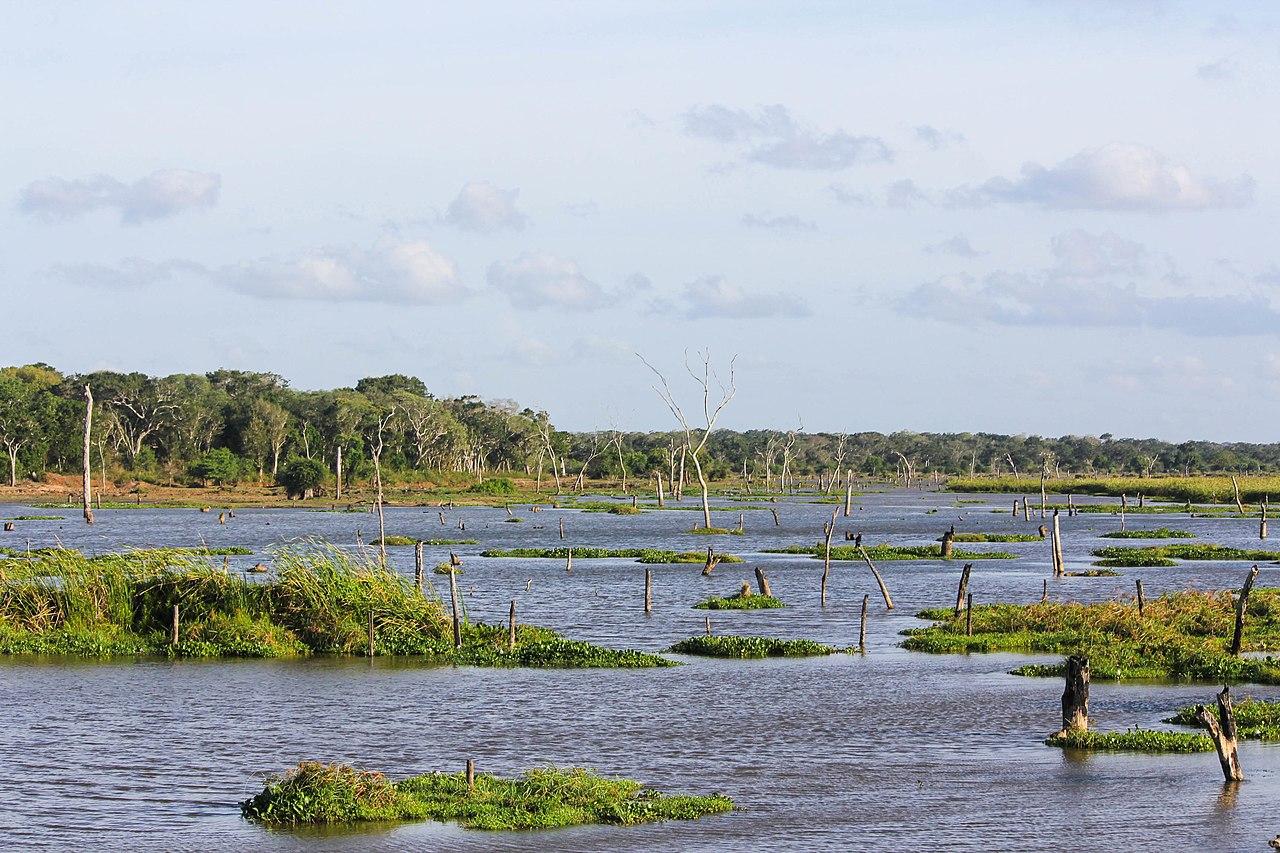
x,y
1180,636
1133,740
1164,555
640,555
319,602
888,553
1158,533
729,646
1256,719
314,793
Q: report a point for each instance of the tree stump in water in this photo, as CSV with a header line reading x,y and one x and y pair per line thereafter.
x,y
648,590
1222,730
511,627
763,582
1075,696
1242,604
1142,602
964,586
713,560
948,543
862,626
1043,531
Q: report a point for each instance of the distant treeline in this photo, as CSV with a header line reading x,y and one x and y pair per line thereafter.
x,y
231,425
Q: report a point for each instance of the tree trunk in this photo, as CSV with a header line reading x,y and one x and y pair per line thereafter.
x,y
453,599
763,582
1056,545
648,589
338,478
1222,729
862,626
828,529
948,543
964,586
1242,604
1075,696
884,591
88,470
1235,486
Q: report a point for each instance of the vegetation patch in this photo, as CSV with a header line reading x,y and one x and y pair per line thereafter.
x,y
1201,489
744,600
35,518
1133,740
1135,560
1094,573
1180,636
886,553
716,531
750,647
547,798
997,537
1158,533
1256,719
1152,554
640,555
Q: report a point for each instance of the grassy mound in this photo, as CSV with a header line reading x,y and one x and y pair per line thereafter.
x,y
750,647
640,555
1256,719
1134,740
740,601
888,553
1182,636
320,601
1162,555
1158,533
315,793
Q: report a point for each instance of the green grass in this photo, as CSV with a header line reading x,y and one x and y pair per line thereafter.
x,y
996,537
716,531
35,518
1202,489
1133,740
319,602
1256,719
750,647
547,798
1158,533
738,601
1094,573
1181,636
410,540
641,555
1164,555
887,553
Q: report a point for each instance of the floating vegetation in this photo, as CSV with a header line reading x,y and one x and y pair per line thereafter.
x,y
35,518
743,600
1183,636
446,568
546,798
624,509
750,647
997,537
395,541
716,531
1133,740
887,553
1094,573
1158,533
641,555
1163,555
1256,719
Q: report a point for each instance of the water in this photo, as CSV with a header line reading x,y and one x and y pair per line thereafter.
x,y
894,750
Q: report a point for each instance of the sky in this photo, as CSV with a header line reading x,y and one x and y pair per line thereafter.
x,y
1013,217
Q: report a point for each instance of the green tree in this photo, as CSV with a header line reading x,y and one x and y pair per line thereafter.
x,y
301,477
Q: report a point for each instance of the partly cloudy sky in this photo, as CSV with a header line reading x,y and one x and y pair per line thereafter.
x,y
1006,216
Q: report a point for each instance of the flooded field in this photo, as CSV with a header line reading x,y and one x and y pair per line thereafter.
x,y
892,750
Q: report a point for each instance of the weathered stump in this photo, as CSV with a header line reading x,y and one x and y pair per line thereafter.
x,y
1222,730
948,543
648,589
1142,602
1242,604
862,626
511,627
763,582
1075,696
964,586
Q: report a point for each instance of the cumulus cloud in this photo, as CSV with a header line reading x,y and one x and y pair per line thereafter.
x,y
846,195
1119,176
1082,254
485,208
770,136
904,194
958,245
712,296
541,280
936,139
789,223
160,195
129,273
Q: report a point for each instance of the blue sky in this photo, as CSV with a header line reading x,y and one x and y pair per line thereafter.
x,y
1007,217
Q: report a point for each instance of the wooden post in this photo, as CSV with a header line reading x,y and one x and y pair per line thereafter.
x,y
88,471
964,586
648,589
471,776
1015,507
562,528
1075,696
371,632
453,599
418,566
1058,568
968,615
1124,505
1242,604
337,481
848,500
763,582
1044,592
776,522
828,529
1235,486
1026,509
568,561
661,499
1222,729
511,627
176,624
1262,525
708,626
1142,602
862,626
884,590
948,543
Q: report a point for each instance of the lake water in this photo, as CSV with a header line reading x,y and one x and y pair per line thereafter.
x,y
890,751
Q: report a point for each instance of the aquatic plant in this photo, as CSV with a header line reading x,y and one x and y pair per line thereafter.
x,y
1158,533
1256,719
886,553
997,537
715,531
1093,573
1133,740
1202,489
587,552
739,601
1152,554
729,646
546,798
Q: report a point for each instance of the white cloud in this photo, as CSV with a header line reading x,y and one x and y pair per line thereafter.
x,y
789,223
846,195
485,208
1217,72
1118,176
160,195
712,296
539,280
772,137
958,245
936,139
1082,254
904,194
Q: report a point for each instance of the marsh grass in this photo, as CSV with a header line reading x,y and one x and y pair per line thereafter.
x,y
716,531
1180,636
1201,489
1256,719
738,601
1164,555
1094,573
546,798
886,553
1158,533
997,537
1133,740
640,555
729,646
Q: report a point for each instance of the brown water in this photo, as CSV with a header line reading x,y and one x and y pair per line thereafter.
x,y
894,750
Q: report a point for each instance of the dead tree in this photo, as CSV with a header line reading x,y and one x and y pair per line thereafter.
x,y
1222,730
763,582
838,459
713,560
1242,604
88,470
884,590
964,586
376,452
1235,486
1075,696
1056,547
948,543
827,529
1262,524
907,470
710,415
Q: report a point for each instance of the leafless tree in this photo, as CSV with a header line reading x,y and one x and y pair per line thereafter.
x,y
838,458
375,451
710,414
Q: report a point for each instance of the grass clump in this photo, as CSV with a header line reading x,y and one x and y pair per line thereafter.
x,y
1163,555
1158,533
395,540
1256,719
1133,740
997,537
1181,636
746,599
887,553
35,518
546,798
1094,573
641,555
624,509
750,647
716,531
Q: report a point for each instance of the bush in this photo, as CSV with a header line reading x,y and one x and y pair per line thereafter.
x,y
495,486
220,466
301,477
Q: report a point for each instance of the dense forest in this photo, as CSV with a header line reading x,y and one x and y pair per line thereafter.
x,y
232,426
